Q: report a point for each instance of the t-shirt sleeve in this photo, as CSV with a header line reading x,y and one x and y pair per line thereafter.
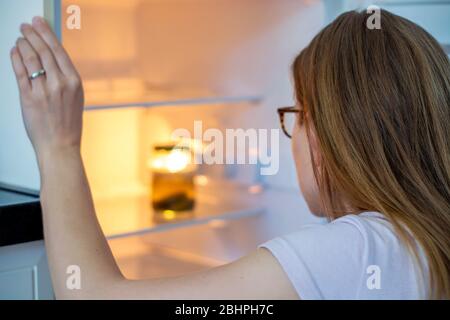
x,y
323,261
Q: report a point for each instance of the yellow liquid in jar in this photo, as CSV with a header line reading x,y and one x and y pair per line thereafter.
x,y
173,191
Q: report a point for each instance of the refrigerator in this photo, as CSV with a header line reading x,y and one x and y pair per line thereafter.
x,y
150,67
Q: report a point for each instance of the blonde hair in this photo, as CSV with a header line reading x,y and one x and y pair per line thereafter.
x,y
378,101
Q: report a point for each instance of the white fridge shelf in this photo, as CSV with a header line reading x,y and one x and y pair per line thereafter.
x,y
148,102
132,214
135,93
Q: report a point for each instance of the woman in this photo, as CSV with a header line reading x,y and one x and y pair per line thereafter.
x,y
371,146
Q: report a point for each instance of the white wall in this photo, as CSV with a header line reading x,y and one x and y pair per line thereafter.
x,y
433,15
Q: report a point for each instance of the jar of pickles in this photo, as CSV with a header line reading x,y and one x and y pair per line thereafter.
x,y
173,189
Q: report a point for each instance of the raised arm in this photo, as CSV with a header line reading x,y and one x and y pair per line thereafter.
x,y
52,106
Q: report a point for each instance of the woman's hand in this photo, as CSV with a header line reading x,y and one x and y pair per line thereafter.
x,y
52,104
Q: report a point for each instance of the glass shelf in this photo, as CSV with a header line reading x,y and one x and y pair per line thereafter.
x,y
151,102
131,215
115,94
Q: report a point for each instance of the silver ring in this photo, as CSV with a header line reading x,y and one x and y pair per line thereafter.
x,y
37,74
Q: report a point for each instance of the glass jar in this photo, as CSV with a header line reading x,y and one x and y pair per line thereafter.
x,y
173,189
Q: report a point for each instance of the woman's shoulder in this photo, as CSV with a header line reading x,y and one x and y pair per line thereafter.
x,y
362,238
352,257
369,224
349,232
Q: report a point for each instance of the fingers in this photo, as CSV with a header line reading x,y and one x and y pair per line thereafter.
x,y
45,55
20,71
45,32
31,61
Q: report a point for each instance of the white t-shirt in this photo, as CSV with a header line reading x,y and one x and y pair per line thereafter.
x,y
353,257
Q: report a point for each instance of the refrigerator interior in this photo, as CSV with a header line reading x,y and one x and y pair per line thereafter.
x,y
149,67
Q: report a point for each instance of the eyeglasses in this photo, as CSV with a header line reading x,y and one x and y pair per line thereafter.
x,y
288,117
